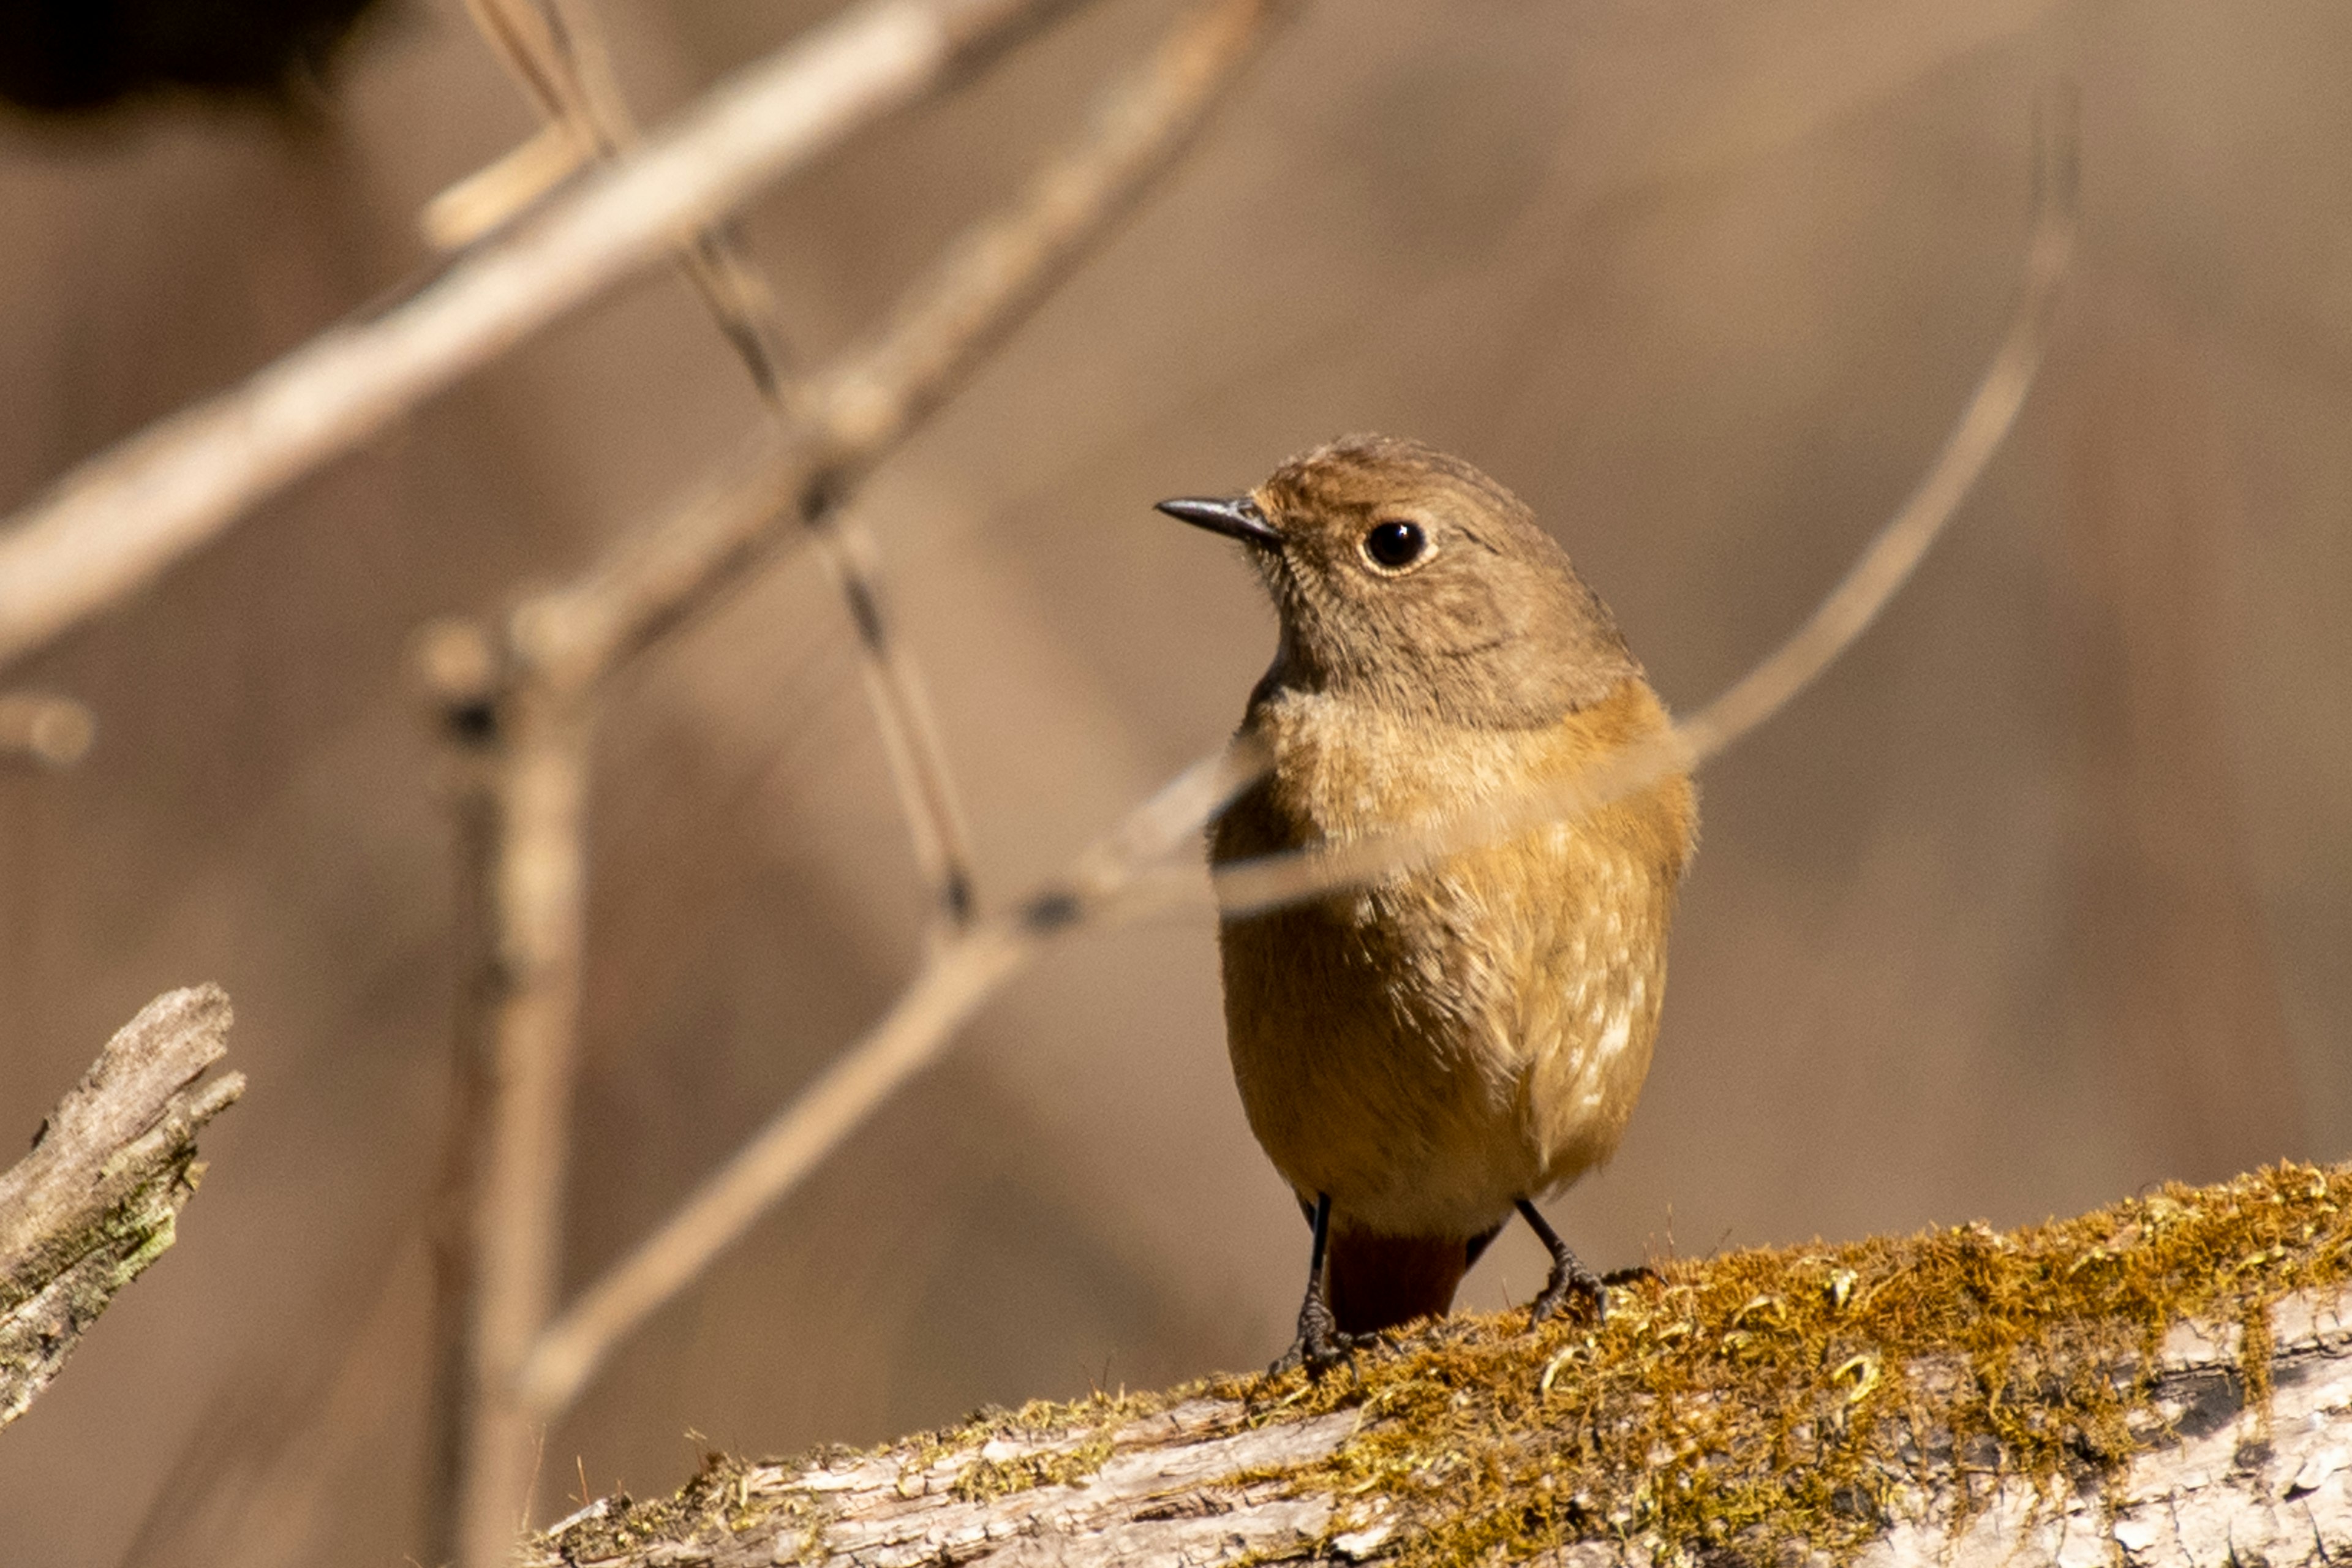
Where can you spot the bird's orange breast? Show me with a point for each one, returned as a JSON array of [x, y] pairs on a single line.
[[1432, 1047]]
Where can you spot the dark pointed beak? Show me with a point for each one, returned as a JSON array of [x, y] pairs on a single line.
[[1236, 517]]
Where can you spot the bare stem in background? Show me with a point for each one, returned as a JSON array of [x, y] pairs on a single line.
[[895, 691], [477, 811], [1125, 878], [97, 1200], [520, 809], [555, 49], [519, 701], [116, 521]]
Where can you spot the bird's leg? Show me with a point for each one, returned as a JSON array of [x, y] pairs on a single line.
[[1568, 1273], [1319, 1343]]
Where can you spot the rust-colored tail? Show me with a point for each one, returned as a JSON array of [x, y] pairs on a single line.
[[1379, 1282]]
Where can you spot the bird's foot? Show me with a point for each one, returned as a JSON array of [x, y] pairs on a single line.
[[1574, 1283], [1569, 1277], [1320, 1346]]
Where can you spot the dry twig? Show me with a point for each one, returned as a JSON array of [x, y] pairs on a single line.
[[1130, 882], [850, 414], [520, 799], [555, 49], [96, 1201], [115, 523]]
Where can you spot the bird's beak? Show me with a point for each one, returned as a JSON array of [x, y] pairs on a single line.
[[1236, 517]]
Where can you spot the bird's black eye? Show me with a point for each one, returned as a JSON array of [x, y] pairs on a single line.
[[1395, 544]]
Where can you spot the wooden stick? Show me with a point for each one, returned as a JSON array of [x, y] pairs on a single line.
[[118, 520]]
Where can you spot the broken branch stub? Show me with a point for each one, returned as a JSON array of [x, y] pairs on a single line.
[[98, 1198]]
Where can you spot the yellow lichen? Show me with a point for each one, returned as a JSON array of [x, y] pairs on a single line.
[[987, 1478]]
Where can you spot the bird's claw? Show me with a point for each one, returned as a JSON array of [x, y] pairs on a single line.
[[1568, 1274], [1317, 1356], [1575, 1280], [1320, 1346]]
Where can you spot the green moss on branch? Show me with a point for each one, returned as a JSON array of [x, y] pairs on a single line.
[[1786, 1396], [1759, 1404]]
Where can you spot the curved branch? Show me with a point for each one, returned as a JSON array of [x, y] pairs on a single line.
[[1252, 886]]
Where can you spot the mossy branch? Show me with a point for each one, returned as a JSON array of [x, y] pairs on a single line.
[[2168, 1380], [97, 1199]]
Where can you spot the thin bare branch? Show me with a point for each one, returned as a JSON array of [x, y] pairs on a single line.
[[526, 37], [490, 195], [928, 802], [1126, 877], [555, 50], [951, 987], [520, 806], [97, 1199], [850, 415], [116, 521]]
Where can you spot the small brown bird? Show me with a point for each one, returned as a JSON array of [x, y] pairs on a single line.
[[1424, 1055]]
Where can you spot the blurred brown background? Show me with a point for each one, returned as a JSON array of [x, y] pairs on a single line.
[[2043, 894]]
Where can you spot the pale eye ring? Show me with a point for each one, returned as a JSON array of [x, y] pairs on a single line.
[[1395, 544]]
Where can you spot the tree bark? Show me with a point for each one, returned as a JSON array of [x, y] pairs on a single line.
[[97, 1200], [2236, 1452]]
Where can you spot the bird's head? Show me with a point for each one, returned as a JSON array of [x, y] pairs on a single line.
[[1407, 578]]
